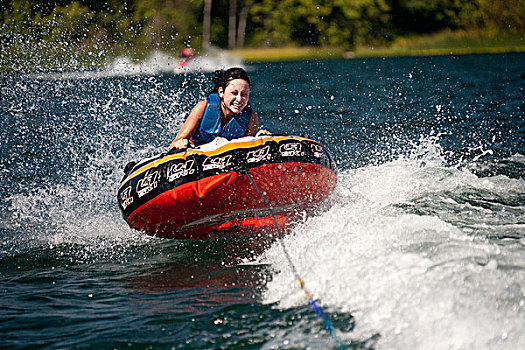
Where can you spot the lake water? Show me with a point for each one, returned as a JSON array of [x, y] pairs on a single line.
[[422, 245]]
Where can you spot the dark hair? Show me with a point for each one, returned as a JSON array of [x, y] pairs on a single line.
[[223, 77]]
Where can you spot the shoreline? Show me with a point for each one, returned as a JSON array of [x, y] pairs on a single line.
[[261, 55], [437, 44]]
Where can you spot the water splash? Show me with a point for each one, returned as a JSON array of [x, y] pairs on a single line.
[[67, 175], [156, 63], [410, 261]]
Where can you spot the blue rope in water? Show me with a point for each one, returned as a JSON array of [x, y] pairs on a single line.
[[313, 304]]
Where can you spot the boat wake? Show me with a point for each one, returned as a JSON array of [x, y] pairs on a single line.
[[157, 63], [408, 248]]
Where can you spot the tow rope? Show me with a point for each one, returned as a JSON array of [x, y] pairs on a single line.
[[313, 304]]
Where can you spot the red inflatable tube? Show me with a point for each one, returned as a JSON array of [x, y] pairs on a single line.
[[225, 202]]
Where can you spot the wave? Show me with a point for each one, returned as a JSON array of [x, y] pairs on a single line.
[[421, 253]]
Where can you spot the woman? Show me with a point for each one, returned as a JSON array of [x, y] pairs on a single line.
[[225, 113]]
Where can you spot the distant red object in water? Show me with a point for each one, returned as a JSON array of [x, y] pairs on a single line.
[[186, 54]]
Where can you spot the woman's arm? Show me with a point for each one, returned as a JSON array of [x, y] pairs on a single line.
[[189, 127], [253, 125]]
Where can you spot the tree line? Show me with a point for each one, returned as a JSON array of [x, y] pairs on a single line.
[[142, 25]]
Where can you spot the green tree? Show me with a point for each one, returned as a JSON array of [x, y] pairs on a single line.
[[494, 16], [70, 23], [17, 19], [316, 22], [426, 16], [167, 23]]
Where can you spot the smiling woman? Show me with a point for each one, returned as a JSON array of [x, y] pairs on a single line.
[[225, 113]]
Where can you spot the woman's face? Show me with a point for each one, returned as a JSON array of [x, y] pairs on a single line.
[[236, 95]]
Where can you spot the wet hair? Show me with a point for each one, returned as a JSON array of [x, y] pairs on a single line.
[[223, 77]]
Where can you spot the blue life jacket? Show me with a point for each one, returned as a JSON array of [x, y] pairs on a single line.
[[211, 127]]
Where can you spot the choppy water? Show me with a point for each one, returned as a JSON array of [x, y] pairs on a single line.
[[421, 247]]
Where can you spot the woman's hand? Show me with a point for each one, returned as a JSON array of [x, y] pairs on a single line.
[[262, 132], [190, 126], [218, 140], [179, 144]]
